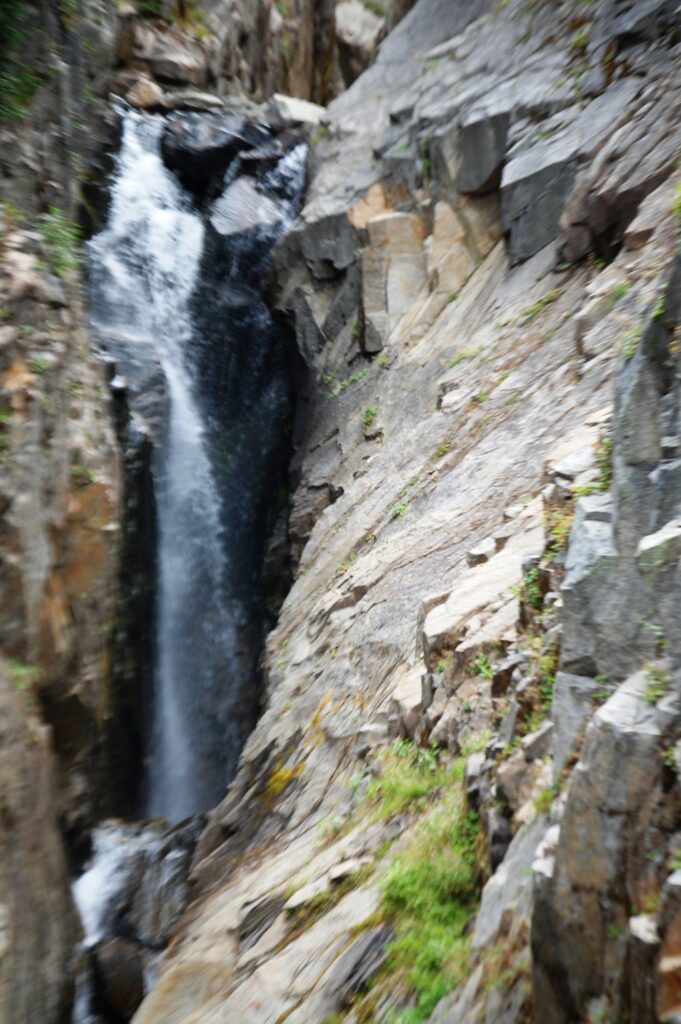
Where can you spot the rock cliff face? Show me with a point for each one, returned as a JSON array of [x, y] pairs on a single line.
[[459, 416], [461, 802]]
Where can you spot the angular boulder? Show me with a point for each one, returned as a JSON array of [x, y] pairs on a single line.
[[199, 147]]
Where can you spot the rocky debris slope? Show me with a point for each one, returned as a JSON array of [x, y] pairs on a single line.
[[439, 655]]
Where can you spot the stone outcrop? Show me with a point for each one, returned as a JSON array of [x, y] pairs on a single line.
[[454, 412]]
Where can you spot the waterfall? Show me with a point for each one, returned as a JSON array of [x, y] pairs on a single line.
[[175, 301], [176, 288]]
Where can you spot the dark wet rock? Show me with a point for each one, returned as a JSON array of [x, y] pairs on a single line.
[[537, 180], [199, 147], [119, 978], [483, 150]]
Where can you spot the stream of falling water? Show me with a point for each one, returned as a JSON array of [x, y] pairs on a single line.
[[170, 292]]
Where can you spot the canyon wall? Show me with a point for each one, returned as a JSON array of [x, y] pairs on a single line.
[[489, 236], [472, 684]]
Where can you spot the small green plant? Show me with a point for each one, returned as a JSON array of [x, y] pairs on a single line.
[[475, 742], [82, 475], [481, 666], [464, 354], [383, 361], [657, 683], [583, 490], [669, 758], [39, 366], [398, 511], [531, 591], [430, 893], [61, 240], [532, 312], [452, 297], [660, 304], [558, 526], [21, 676], [356, 328], [543, 802], [406, 776], [619, 290], [341, 385], [580, 41], [442, 449], [370, 414], [604, 463], [630, 342], [658, 633], [675, 862], [481, 397]]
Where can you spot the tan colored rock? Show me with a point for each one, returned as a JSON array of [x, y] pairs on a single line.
[[407, 699], [171, 55], [393, 274], [145, 94], [450, 261]]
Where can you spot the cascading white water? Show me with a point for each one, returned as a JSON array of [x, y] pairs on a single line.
[[174, 297], [144, 268]]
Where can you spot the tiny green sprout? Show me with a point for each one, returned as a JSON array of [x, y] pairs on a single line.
[[620, 290], [369, 416], [579, 41], [669, 758], [630, 342], [442, 449], [657, 684], [660, 304], [481, 666]]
